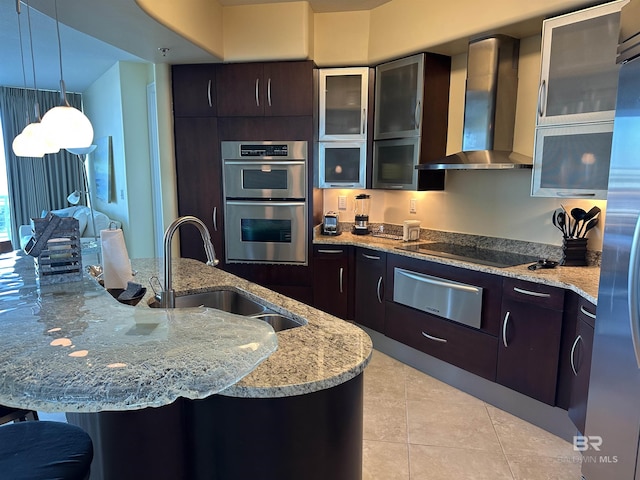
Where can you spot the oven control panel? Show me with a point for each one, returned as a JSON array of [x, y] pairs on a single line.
[[264, 150]]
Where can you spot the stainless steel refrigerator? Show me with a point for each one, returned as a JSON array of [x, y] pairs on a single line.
[[612, 433]]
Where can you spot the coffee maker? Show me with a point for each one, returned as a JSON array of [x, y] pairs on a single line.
[[361, 226]]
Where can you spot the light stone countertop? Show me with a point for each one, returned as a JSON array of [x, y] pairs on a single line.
[[71, 347], [582, 280]]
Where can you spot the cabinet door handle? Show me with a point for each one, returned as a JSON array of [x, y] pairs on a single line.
[[587, 312], [504, 330], [378, 289], [364, 120], [573, 351], [529, 292], [209, 93], [329, 251], [269, 91], [371, 257], [257, 96], [341, 273], [542, 92], [417, 115], [215, 218], [435, 339], [576, 194]]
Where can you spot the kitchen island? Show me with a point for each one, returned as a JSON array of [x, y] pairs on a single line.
[[72, 347]]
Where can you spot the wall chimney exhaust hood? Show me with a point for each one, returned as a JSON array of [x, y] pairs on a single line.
[[489, 110]]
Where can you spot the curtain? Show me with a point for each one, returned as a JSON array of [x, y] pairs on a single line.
[[35, 184]]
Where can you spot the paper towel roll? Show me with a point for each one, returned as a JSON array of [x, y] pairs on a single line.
[[116, 266]]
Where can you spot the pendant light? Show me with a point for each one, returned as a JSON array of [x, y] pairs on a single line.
[[67, 126], [33, 140]]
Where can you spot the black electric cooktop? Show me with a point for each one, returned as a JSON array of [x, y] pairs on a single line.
[[483, 256]]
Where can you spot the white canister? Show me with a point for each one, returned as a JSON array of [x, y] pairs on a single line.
[[411, 230]]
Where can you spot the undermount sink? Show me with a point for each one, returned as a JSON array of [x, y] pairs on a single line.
[[232, 301]]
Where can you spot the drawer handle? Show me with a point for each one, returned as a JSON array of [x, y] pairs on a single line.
[[533, 294], [257, 96], [587, 312], [573, 351], [435, 339], [504, 330], [209, 93], [378, 289], [341, 274], [329, 251], [370, 257]]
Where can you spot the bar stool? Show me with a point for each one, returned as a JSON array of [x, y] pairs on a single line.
[[45, 450]]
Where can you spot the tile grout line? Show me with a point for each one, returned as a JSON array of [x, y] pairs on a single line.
[[504, 454]]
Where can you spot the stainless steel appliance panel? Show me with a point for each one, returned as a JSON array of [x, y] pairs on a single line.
[[265, 179], [455, 301], [266, 232], [610, 445]]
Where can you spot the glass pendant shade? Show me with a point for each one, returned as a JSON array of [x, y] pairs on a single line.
[[33, 142], [68, 127]]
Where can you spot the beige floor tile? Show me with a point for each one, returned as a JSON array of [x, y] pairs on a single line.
[[385, 419], [519, 437], [384, 381], [424, 387], [385, 461], [379, 359], [451, 425], [544, 468], [443, 463]]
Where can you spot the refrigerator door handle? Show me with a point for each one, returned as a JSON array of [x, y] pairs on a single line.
[[633, 284]]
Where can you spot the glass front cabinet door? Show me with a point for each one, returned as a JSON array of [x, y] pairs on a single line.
[[342, 164], [579, 76], [574, 161], [343, 103], [398, 99]]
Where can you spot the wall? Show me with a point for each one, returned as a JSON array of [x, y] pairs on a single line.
[[116, 106], [489, 203]]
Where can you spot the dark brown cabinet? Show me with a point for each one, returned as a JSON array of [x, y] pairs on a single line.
[[464, 347], [194, 90], [369, 309], [332, 279], [199, 182], [529, 347], [265, 89], [580, 359]]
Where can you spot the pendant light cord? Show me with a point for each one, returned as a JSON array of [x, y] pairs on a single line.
[[24, 72], [33, 66], [63, 88]]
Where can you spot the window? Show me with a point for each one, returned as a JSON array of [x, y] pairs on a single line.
[[5, 223]]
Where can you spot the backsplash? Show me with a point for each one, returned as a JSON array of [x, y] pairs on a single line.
[[540, 250]]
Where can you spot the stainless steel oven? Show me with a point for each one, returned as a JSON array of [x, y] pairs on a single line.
[[265, 189]]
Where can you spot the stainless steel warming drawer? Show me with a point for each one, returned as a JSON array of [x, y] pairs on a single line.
[[454, 301]]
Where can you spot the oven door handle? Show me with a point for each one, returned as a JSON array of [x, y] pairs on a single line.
[[266, 203]]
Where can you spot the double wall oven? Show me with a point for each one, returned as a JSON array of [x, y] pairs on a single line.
[[265, 190]]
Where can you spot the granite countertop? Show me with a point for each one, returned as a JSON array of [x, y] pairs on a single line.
[[582, 280], [72, 347]]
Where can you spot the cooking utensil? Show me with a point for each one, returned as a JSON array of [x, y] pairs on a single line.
[[578, 215], [562, 223], [592, 223], [591, 214], [567, 222]]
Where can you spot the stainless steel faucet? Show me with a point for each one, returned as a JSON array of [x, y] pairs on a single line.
[[167, 297]]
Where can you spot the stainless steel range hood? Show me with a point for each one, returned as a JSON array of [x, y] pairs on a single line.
[[490, 109]]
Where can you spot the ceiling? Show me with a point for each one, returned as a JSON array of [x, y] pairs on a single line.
[[95, 34]]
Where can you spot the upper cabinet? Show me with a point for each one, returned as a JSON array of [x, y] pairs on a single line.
[[410, 121], [343, 127], [265, 89], [194, 90], [343, 103], [576, 103]]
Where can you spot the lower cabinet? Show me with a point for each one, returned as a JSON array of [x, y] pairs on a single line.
[[529, 347], [370, 273], [332, 279], [580, 358], [464, 347]]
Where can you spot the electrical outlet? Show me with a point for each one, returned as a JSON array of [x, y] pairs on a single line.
[[342, 202], [412, 205]]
